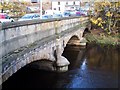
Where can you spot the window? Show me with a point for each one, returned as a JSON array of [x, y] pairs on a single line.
[[58, 3], [59, 8], [7, 17], [66, 3], [73, 3], [34, 1], [37, 16]]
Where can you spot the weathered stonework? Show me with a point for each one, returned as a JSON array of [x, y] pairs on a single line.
[[26, 42]]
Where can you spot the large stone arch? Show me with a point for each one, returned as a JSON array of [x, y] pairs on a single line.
[[41, 53]]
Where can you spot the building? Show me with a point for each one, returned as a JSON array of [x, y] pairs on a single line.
[[62, 5], [30, 1], [32, 5], [16, 0]]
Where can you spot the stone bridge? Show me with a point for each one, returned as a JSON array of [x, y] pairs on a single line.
[[24, 42]]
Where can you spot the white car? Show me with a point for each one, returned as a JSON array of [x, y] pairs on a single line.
[[5, 18], [30, 16]]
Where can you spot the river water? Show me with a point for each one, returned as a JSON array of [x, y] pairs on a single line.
[[91, 67]]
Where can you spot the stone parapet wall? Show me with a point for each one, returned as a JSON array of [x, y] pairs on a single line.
[[19, 34]]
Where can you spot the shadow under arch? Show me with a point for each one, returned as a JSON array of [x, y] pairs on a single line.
[[73, 52], [73, 41], [20, 78], [43, 64], [86, 31]]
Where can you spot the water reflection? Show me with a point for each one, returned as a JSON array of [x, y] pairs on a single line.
[[98, 68], [84, 66], [91, 67], [99, 58]]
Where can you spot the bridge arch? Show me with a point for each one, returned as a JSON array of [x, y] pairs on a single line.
[[35, 55], [87, 30], [43, 64], [74, 40]]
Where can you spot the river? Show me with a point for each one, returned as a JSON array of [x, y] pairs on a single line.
[[91, 67]]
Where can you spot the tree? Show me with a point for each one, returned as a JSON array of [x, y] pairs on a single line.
[[107, 16], [14, 8]]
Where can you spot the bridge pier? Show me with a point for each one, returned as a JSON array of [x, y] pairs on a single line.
[[61, 62]]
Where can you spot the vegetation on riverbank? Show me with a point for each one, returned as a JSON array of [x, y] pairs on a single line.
[[105, 24], [103, 39]]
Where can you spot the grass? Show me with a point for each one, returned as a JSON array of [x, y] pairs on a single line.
[[103, 39]]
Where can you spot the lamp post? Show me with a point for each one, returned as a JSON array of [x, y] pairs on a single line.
[[90, 7], [2, 2], [41, 9], [80, 3]]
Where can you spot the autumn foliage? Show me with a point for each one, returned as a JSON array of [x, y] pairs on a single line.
[[14, 8], [107, 16]]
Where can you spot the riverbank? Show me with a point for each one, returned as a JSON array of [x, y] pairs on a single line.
[[100, 37]]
